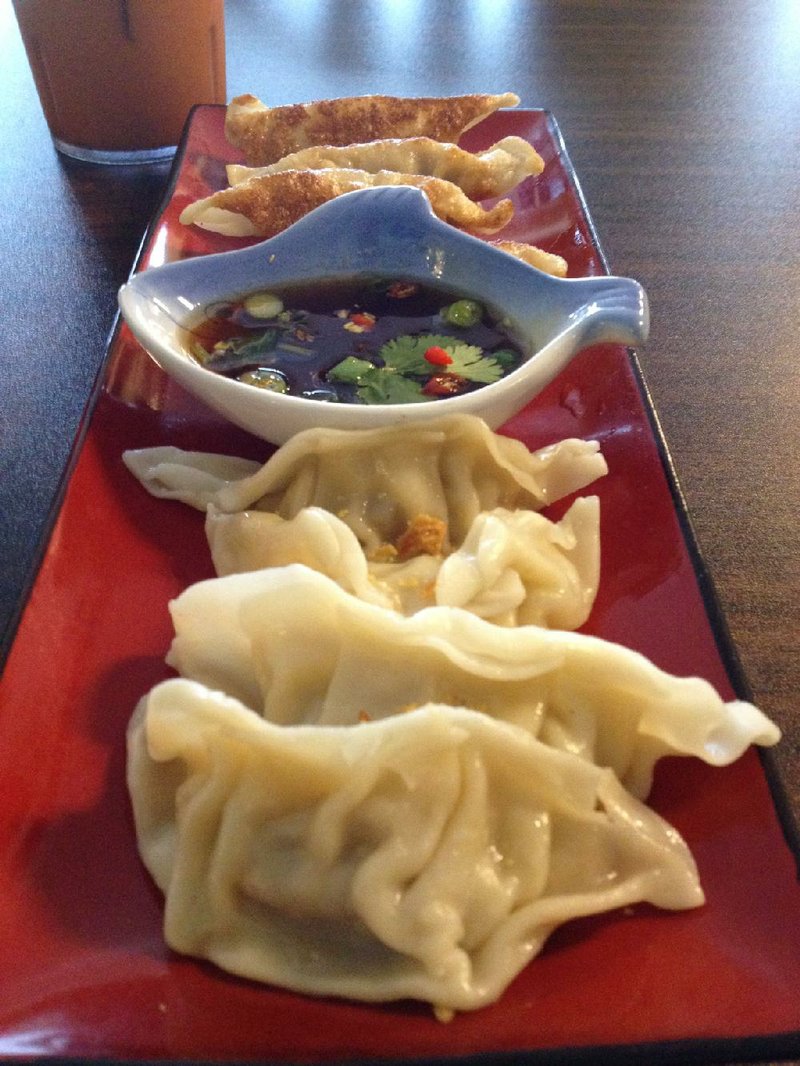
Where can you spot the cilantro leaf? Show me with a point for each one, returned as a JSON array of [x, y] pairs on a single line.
[[375, 384], [382, 385], [258, 346], [470, 363], [506, 357], [406, 354], [238, 353]]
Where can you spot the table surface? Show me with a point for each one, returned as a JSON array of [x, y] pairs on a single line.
[[683, 122]]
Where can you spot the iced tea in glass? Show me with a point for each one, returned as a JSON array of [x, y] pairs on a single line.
[[117, 78]]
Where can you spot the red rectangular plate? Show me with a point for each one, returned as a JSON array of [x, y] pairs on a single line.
[[83, 968]]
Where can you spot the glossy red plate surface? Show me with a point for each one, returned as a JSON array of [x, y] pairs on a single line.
[[83, 967]]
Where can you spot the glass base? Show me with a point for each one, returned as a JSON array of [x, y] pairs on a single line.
[[123, 157]]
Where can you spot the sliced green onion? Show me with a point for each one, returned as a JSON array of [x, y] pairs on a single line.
[[463, 313], [265, 378], [263, 304]]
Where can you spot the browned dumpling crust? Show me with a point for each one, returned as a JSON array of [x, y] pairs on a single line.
[[481, 175], [266, 134], [547, 262], [267, 204]]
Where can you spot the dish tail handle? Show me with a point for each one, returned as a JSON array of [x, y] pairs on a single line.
[[617, 313]]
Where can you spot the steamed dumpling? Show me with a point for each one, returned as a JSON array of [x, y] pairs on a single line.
[[255, 540], [480, 175], [519, 568], [378, 481], [426, 856], [265, 134], [267, 204], [514, 567], [249, 635], [193, 478]]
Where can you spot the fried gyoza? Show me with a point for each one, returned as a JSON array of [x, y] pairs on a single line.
[[480, 175], [266, 205], [266, 134], [535, 257]]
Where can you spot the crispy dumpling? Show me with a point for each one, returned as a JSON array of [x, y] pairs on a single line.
[[265, 134], [249, 635], [547, 262], [480, 175], [425, 856], [378, 480], [267, 204]]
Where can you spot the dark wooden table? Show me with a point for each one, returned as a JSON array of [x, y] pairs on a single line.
[[683, 122]]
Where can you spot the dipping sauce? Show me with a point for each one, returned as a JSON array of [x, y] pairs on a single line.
[[362, 341]]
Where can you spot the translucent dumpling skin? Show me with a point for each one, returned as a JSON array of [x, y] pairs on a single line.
[[428, 855], [248, 635], [387, 777], [378, 480], [513, 568]]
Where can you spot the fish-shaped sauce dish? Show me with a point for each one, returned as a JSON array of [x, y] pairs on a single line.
[[271, 377]]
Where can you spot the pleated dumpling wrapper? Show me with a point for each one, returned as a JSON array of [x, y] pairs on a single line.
[[265, 134], [377, 481], [426, 856], [267, 204], [479, 175], [344, 503], [298, 650], [513, 567]]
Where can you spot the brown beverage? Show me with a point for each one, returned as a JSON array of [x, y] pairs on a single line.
[[116, 78]]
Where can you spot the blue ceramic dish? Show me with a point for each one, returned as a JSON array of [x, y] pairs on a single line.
[[390, 232]]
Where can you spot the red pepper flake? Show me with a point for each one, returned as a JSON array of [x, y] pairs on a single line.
[[444, 385], [363, 318], [401, 290], [438, 356]]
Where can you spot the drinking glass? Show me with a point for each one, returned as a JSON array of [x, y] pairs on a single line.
[[117, 78]]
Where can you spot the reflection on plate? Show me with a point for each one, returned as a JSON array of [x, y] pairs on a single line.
[[85, 971]]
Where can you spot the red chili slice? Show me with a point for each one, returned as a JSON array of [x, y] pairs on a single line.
[[443, 385], [437, 356]]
